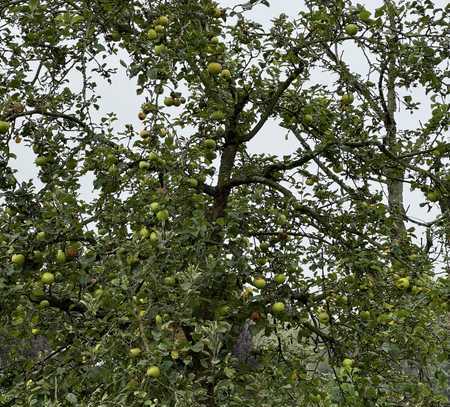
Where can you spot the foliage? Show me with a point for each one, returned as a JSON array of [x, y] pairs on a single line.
[[184, 216]]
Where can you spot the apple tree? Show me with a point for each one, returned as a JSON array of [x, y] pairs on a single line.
[[198, 271]]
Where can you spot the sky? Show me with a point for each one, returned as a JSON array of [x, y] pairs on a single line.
[[121, 98]]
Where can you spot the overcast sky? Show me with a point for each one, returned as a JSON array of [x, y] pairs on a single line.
[[121, 98]]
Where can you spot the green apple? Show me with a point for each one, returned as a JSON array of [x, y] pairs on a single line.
[[41, 161], [159, 28], [160, 49], [144, 232], [347, 99], [44, 304], [351, 29], [162, 20], [223, 310], [153, 156], [364, 315], [169, 101], [280, 278], [259, 282], [192, 182], [40, 236], [4, 127], [154, 206], [60, 256], [310, 181], [308, 119], [132, 260], [162, 215], [18, 259], [35, 331], [433, 196], [210, 143], [48, 278], [347, 363], [135, 352], [154, 237], [214, 68], [144, 165], [153, 371], [152, 34], [170, 281], [226, 74], [278, 308], [144, 134], [402, 283], [324, 318], [282, 219], [158, 320]]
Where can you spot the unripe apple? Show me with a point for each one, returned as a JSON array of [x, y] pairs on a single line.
[[192, 182], [158, 320], [214, 68], [154, 206], [35, 331], [282, 219], [280, 278], [226, 74], [60, 256], [135, 352], [153, 371], [132, 260], [159, 28], [308, 119], [152, 34], [278, 308], [40, 236], [347, 99], [433, 196], [259, 282], [153, 156], [160, 49], [144, 232], [310, 181], [41, 161], [169, 101], [176, 102], [170, 281], [351, 29], [142, 116], [364, 315], [18, 259], [210, 143], [48, 278], [144, 165], [402, 283], [324, 318], [44, 304], [154, 237], [144, 134], [4, 127], [347, 363], [162, 215], [162, 20]]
